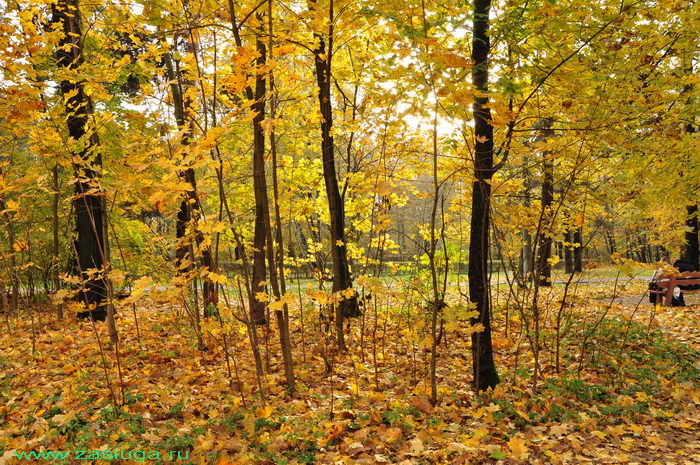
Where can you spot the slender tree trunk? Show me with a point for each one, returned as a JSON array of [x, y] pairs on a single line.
[[526, 256], [14, 279], [484, 369], [691, 251], [56, 241], [282, 316], [437, 304], [568, 251], [109, 305], [88, 203], [544, 248], [301, 239], [189, 212], [259, 189], [257, 96], [342, 280], [578, 250], [611, 242]]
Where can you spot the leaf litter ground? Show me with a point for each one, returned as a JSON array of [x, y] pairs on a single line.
[[633, 397]]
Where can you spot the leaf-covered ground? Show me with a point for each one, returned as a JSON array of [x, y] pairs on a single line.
[[633, 397]]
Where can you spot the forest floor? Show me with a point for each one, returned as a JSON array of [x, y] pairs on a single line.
[[627, 391]]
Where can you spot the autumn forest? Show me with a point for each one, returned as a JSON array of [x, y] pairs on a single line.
[[349, 232]]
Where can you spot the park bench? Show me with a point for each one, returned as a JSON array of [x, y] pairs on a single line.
[[667, 282]]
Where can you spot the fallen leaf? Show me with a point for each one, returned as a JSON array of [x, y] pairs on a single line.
[[392, 434], [6, 457], [559, 430], [263, 412], [234, 444], [422, 404], [150, 437], [518, 447], [335, 431], [415, 446]]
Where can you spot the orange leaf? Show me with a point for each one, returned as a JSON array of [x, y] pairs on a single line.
[[421, 403]]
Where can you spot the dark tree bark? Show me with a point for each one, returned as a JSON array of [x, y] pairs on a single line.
[[544, 248], [190, 209], [612, 248], [88, 203], [578, 250], [184, 213], [275, 256], [691, 250], [12, 253], [568, 252], [525, 257], [56, 243], [301, 239], [14, 280], [484, 369], [259, 188], [342, 280], [560, 249], [262, 221]]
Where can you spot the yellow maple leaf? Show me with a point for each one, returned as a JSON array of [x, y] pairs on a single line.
[[263, 412], [19, 246], [347, 293], [217, 278], [518, 447], [276, 305]]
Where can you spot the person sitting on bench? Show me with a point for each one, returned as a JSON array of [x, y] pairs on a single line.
[[683, 265]]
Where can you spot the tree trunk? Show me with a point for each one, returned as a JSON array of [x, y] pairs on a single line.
[[544, 248], [12, 253], [611, 241], [342, 280], [691, 250], [526, 256], [109, 306], [56, 241], [282, 315], [568, 251], [484, 369], [301, 239], [14, 281], [257, 96], [189, 212], [259, 189], [88, 205], [578, 250], [560, 249]]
